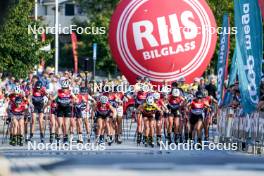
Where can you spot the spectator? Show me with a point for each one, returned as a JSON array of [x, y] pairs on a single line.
[[202, 85], [261, 99], [211, 88]]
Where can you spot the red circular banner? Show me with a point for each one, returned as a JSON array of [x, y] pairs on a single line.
[[162, 39]]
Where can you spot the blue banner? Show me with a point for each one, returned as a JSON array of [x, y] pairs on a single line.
[[222, 58], [233, 70], [249, 51]]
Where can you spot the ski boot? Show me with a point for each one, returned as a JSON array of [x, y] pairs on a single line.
[[13, 141], [169, 138], [101, 139], [158, 140], [42, 138], [119, 139], [80, 139], [51, 138], [20, 140], [177, 139], [139, 140], [66, 140], [146, 141], [151, 142], [110, 140]]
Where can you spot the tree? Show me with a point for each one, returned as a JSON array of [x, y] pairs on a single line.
[[99, 13], [219, 7], [19, 51]]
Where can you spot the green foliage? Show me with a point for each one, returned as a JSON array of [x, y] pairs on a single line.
[[19, 51], [219, 7], [99, 13]]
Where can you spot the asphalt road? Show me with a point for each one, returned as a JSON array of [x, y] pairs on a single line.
[[130, 159]]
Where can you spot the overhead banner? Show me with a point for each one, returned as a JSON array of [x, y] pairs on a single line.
[[74, 51], [176, 40], [233, 70], [223, 58], [249, 51]]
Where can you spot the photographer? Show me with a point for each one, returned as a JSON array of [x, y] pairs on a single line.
[[261, 99]]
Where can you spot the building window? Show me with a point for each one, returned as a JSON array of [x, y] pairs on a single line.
[[69, 10], [45, 10]]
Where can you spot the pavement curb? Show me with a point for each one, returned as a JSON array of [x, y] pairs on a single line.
[[4, 166]]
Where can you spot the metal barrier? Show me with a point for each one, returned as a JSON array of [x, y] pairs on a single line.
[[247, 130]]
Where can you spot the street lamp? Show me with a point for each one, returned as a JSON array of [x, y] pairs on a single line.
[[56, 37]]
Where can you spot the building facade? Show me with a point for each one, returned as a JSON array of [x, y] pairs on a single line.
[[68, 10]]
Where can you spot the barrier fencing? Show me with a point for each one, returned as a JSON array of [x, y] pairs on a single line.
[[247, 130]]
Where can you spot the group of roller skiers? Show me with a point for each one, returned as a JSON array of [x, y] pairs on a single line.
[[178, 112]]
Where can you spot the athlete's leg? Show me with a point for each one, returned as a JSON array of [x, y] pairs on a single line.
[[80, 129], [20, 131], [60, 128], [52, 125], [87, 128], [14, 130], [100, 126], [151, 123], [32, 125], [146, 130], [170, 125], [41, 126], [177, 134]]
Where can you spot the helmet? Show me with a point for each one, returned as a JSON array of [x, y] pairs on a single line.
[[150, 100], [175, 92], [139, 78], [141, 87], [103, 99], [38, 85], [76, 90], [65, 84], [83, 90], [17, 90], [146, 79], [18, 100], [174, 84], [199, 94], [182, 79], [156, 96]]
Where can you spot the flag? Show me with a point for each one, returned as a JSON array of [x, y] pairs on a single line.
[[74, 51], [223, 58], [249, 51], [233, 70]]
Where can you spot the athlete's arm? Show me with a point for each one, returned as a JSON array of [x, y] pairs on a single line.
[[113, 110]]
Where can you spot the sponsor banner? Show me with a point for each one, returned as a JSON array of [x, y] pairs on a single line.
[[223, 58], [233, 70], [249, 51], [74, 51], [177, 40]]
